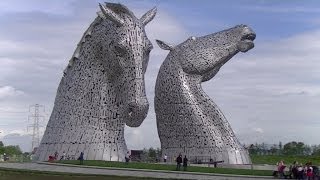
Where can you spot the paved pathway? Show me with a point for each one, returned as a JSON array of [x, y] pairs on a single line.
[[123, 172]]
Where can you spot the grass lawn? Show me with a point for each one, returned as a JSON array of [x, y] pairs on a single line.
[[13, 174], [273, 159], [169, 167]]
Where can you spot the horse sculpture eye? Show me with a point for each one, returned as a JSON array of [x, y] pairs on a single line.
[[147, 52], [146, 60], [120, 51]]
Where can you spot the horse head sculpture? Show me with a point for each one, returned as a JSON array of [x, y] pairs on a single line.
[[102, 88], [188, 121]]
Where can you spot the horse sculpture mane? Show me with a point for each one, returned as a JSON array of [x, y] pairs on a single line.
[[102, 88], [188, 121]]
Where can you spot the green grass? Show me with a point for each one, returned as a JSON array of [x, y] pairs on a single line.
[[273, 159], [14, 174], [169, 167]]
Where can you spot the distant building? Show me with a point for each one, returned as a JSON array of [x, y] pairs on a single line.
[[136, 155]]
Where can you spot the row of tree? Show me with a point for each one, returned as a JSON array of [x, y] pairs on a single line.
[[9, 150], [290, 148], [151, 154]]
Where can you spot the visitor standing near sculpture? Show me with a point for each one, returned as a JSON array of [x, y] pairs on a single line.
[[185, 163], [179, 161], [102, 88], [188, 121], [165, 158]]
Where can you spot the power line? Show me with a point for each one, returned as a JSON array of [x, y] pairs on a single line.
[[35, 116]]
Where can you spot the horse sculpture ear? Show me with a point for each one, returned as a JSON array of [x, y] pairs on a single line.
[[107, 13], [148, 16], [164, 45]]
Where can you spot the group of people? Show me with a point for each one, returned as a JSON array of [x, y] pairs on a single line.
[[183, 161], [56, 156], [297, 171], [64, 157]]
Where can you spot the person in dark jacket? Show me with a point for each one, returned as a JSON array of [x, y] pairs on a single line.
[[179, 161], [81, 158], [185, 163]]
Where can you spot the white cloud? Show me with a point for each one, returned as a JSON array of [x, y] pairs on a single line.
[[9, 91], [56, 7], [20, 47], [282, 9], [21, 137], [258, 130], [19, 131], [23, 140]]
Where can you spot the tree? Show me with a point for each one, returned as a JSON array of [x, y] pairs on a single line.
[[307, 150], [295, 148], [263, 148], [12, 150], [280, 145], [2, 149], [252, 149], [274, 149], [144, 155], [280, 148], [315, 150], [152, 154]]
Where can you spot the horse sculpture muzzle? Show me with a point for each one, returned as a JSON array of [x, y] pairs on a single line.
[[137, 112], [246, 42], [136, 104]]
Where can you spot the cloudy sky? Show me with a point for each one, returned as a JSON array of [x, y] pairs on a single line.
[[269, 94]]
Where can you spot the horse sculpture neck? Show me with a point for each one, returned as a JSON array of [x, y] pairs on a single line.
[[195, 125], [86, 108]]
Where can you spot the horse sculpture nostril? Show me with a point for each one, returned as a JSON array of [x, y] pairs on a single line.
[[130, 111], [132, 106], [136, 112]]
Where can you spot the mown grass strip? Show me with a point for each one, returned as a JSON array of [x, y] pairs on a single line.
[[8, 174], [169, 167]]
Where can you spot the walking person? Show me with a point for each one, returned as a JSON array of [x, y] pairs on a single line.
[[179, 161], [300, 172], [63, 156], [127, 157], [81, 158], [281, 168], [185, 163], [56, 154], [309, 171], [5, 157], [165, 158]]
